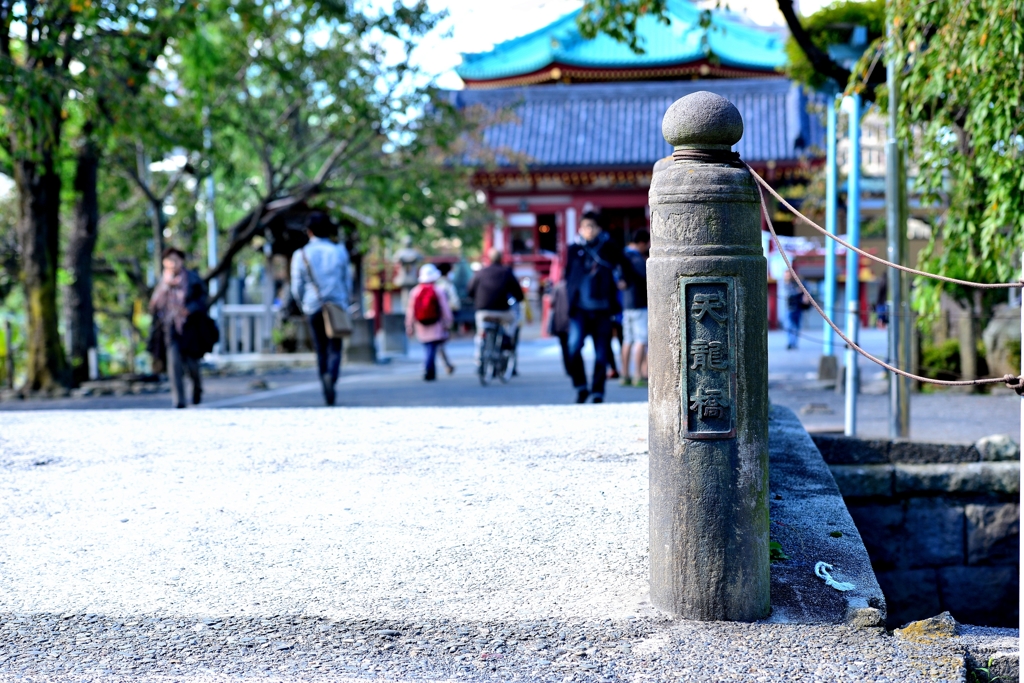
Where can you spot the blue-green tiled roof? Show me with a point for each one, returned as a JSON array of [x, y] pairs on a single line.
[[618, 125], [734, 42]]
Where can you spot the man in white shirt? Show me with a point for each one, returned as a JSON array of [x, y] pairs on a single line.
[[320, 273]]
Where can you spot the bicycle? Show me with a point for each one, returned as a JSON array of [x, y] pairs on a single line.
[[497, 353]]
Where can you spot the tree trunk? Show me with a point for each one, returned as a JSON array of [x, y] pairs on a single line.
[[159, 221], [39, 184], [82, 243]]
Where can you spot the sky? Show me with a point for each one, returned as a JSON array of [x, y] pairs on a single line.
[[477, 25]]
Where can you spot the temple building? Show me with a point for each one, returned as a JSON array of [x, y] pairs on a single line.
[[574, 125]]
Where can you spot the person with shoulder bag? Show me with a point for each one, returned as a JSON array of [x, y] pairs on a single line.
[[320, 283]]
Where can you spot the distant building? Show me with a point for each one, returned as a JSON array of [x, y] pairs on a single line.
[[577, 123]]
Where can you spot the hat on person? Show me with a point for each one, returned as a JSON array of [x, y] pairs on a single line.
[[429, 273]]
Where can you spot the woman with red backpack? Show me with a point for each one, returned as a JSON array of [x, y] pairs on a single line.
[[428, 316]]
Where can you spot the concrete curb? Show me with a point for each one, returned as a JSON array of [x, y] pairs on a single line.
[[810, 520]]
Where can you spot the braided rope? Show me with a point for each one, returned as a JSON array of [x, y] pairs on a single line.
[[1014, 382], [709, 156], [821, 570], [823, 231]]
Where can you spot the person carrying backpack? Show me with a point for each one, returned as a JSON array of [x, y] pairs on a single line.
[[428, 317], [592, 289]]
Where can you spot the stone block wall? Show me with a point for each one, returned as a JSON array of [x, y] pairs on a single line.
[[942, 535]]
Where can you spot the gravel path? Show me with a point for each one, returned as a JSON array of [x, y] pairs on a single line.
[[426, 544]]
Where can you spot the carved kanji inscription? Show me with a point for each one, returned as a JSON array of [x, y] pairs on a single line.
[[709, 369]]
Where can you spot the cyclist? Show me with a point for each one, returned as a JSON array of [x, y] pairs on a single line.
[[495, 290]]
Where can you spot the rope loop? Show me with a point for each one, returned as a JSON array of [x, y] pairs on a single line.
[[821, 570], [1019, 284], [1014, 382]]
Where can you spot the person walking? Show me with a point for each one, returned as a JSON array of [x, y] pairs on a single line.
[[179, 305], [616, 334], [592, 290], [428, 316], [634, 305], [451, 295], [495, 290], [320, 274], [796, 304], [558, 313]]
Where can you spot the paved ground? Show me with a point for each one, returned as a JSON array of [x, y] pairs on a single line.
[[941, 417], [430, 544]]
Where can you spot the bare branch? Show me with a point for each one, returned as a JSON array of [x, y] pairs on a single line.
[[302, 157], [289, 110], [126, 205], [173, 182], [358, 149], [134, 174], [818, 58], [328, 165]]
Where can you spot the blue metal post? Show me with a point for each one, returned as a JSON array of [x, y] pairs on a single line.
[[852, 263], [831, 202]]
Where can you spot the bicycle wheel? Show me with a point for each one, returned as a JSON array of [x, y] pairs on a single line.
[[515, 355], [486, 369], [497, 359], [506, 365]]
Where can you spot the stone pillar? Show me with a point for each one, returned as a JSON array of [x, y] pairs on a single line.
[[391, 335], [361, 346], [708, 307]]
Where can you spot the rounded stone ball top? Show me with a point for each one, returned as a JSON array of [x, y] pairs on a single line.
[[702, 119]]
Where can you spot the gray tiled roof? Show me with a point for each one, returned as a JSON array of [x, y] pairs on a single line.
[[619, 124]]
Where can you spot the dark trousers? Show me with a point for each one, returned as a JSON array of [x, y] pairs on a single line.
[[793, 327], [328, 351], [178, 365], [615, 333], [430, 367], [563, 341], [598, 326]]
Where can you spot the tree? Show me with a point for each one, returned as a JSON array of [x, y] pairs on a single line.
[[618, 19], [106, 101], [78, 260], [33, 69], [960, 99], [834, 25], [48, 50], [301, 104], [304, 110]]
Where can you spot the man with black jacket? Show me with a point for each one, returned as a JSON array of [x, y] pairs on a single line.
[[494, 289], [593, 300], [178, 336]]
